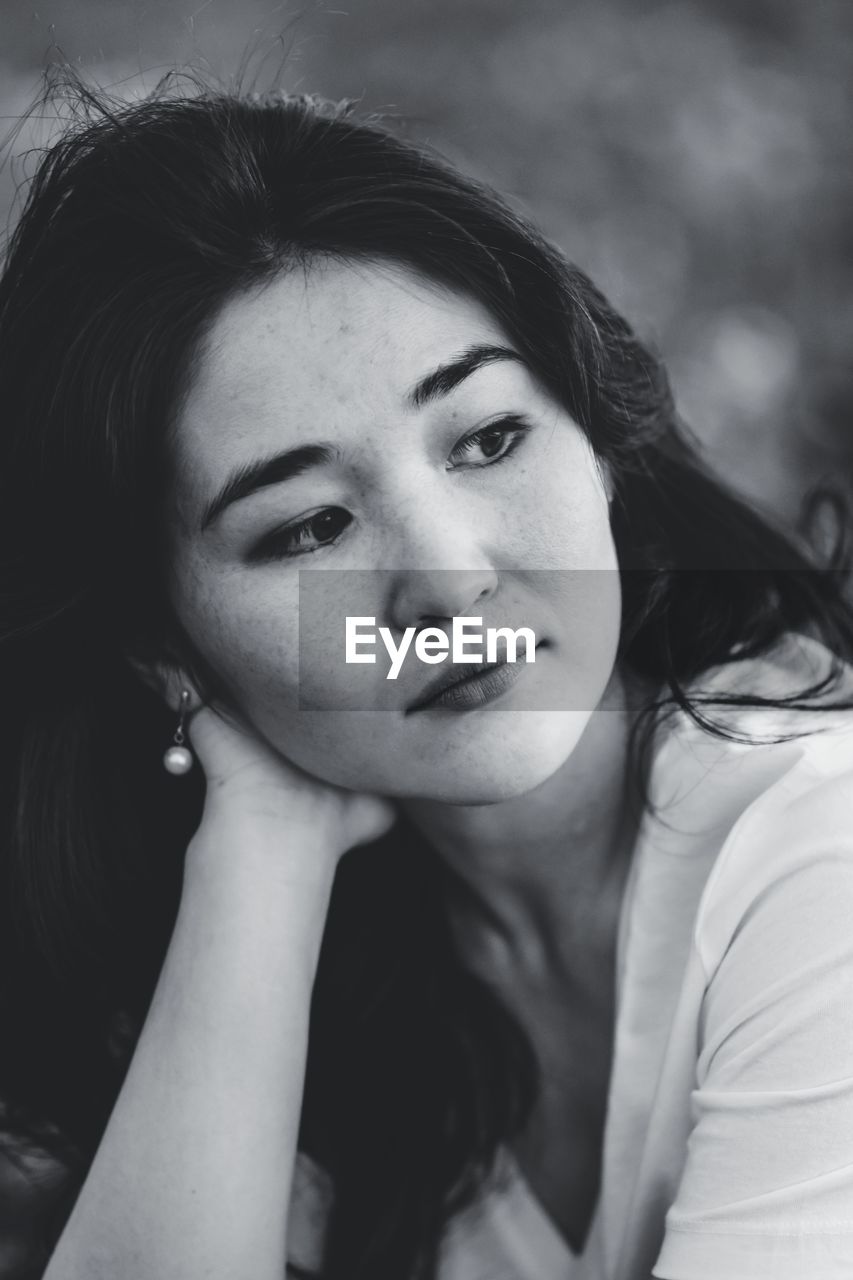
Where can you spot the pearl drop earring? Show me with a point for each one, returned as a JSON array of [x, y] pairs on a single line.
[[179, 759]]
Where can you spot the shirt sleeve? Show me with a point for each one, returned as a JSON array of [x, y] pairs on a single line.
[[767, 1188]]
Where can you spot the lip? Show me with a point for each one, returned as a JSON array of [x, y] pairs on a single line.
[[469, 685]]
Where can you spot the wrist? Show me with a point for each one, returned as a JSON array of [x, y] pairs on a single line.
[[263, 851]]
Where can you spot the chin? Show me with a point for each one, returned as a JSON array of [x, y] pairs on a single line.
[[522, 755]]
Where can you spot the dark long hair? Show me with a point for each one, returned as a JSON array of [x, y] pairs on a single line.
[[141, 221]]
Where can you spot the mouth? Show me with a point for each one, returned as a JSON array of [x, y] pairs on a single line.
[[469, 684]]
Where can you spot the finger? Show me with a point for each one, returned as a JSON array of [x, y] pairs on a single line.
[[372, 817], [219, 744]]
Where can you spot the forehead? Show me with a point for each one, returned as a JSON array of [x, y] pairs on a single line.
[[317, 351]]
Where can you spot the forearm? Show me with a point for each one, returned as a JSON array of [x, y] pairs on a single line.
[[192, 1178]]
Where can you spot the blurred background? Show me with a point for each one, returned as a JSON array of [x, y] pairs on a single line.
[[694, 158]]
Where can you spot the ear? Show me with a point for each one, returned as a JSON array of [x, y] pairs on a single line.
[[164, 676]]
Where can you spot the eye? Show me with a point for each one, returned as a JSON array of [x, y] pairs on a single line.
[[323, 528], [496, 441]]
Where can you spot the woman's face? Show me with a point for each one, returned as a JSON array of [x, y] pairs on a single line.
[[441, 481]]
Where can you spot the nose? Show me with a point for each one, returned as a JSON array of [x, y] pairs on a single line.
[[429, 596]]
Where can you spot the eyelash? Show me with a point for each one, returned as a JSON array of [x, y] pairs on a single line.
[[284, 543]]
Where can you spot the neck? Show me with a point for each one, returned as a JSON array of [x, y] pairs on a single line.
[[537, 879]]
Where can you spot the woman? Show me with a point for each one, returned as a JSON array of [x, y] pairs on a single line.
[[574, 946]]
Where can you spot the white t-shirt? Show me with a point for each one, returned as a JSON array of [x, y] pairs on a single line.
[[728, 1143]]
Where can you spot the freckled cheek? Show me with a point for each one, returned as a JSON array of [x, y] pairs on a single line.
[[274, 660], [559, 516], [249, 638]]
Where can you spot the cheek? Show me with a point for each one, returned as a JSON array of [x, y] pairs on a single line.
[[247, 631], [584, 583], [560, 510], [276, 667], [252, 641], [584, 612]]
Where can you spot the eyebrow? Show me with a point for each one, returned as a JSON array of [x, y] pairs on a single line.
[[268, 471], [253, 476], [448, 376]]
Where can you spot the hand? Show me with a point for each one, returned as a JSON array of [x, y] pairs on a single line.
[[258, 795]]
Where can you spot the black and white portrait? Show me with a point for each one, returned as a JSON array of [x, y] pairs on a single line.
[[426, 641]]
